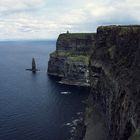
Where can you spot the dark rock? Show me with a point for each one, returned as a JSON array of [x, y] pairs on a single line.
[[109, 62], [33, 69], [115, 75], [70, 61]]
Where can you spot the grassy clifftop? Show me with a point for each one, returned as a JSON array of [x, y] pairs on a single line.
[[74, 36]]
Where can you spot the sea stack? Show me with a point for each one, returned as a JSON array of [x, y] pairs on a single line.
[[33, 65], [33, 69]]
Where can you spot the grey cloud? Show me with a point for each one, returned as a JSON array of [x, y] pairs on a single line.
[[17, 11], [51, 17]]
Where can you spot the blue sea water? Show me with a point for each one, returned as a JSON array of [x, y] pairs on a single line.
[[31, 105]]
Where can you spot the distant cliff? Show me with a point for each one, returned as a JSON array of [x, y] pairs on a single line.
[[115, 79], [70, 61]]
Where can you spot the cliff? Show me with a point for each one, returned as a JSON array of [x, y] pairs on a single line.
[[108, 62], [70, 61], [115, 80]]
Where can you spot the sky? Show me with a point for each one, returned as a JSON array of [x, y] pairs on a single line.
[[46, 19]]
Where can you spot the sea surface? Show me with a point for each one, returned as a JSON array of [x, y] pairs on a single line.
[[31, 105]]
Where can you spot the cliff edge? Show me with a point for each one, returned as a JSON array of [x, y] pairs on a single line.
[[115, 79]]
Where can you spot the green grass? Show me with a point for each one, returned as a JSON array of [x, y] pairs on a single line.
[[60, 54], [79, 58], [71, 57], [66, 36]]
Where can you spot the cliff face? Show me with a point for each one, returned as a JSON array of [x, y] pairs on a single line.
[[115, 76], [70, 61], [108, 62], [79, 43]]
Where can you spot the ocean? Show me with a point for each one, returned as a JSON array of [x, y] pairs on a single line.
[[31, 105]]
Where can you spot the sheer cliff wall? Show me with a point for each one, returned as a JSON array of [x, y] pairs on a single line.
[[70, 61], [115, 79]]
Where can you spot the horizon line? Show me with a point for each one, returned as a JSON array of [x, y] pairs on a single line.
[[2, 40]]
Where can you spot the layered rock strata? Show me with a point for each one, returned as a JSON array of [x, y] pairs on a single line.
[[70, 61]]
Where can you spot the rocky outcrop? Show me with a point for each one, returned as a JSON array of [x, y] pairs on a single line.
[[33, 69], [115, 79], [70, 61]]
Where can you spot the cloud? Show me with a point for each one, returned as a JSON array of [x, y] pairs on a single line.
[[36, 19], [108, 12]]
